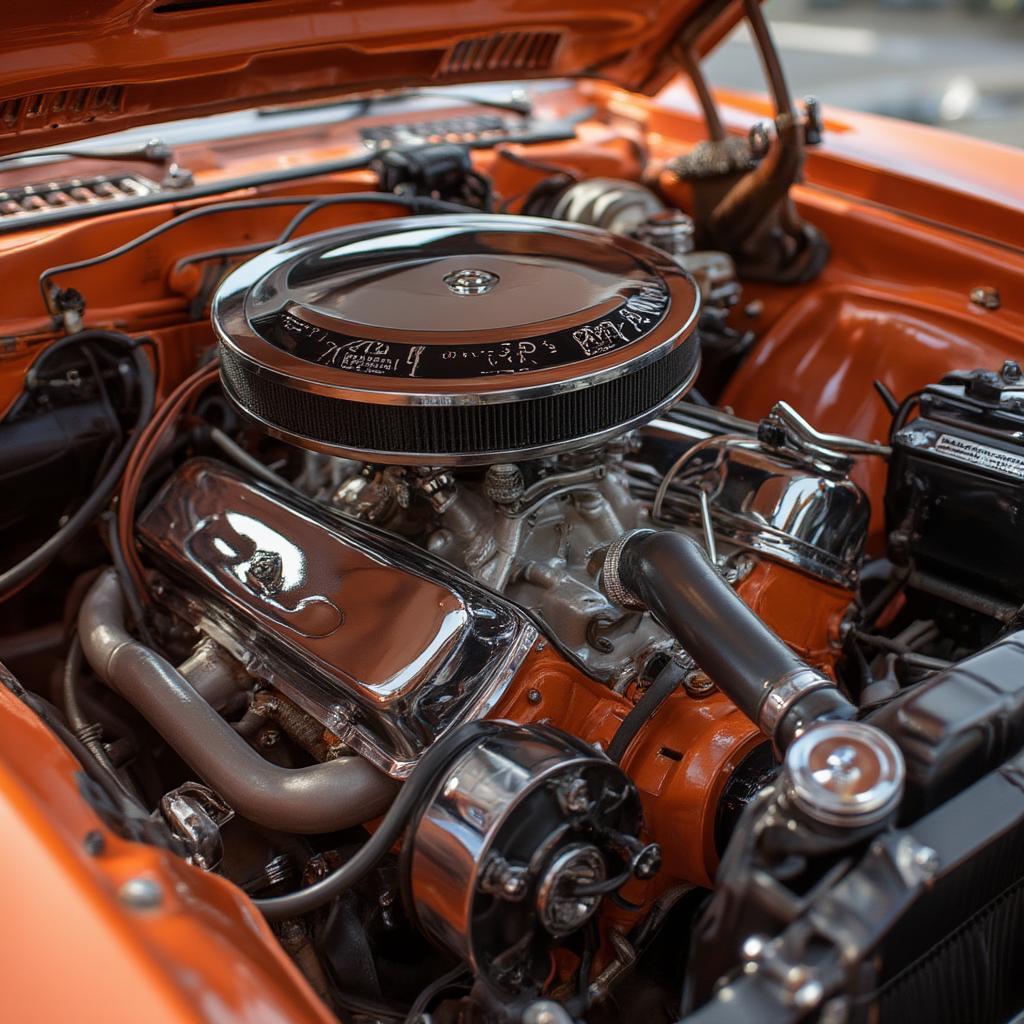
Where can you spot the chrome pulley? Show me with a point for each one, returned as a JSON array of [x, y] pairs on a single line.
[[524, 834]]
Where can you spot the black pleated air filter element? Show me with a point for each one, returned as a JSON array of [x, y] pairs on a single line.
[[456, 339]]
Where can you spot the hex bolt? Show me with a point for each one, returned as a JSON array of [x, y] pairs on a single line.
[[647, 862], [698, 684], [269, 738], [141, 893], [986, 297], [926, 860], [94, 843]]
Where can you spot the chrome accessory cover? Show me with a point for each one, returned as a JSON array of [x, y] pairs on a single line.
[[517, 827], [456, 339], [782, 507], [296, 591]]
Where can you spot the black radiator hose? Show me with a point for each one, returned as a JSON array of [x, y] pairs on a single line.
[[669, 575]]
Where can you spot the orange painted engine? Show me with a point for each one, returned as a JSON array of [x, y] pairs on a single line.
[[475, 573], [506, 566], [427, 598]]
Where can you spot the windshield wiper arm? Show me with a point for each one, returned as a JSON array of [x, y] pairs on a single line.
[[518, 101], [152, 151]]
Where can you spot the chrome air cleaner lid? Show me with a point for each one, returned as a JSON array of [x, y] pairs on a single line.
[[456, 339]]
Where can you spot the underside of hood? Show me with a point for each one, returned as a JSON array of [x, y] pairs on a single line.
[[77, 68]]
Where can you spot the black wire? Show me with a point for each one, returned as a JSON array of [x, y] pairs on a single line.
[[129, 588], [88, 732], [889, 400], [895, 584], [424, 776], [665, 684], [590, 942], [155, 232], [414, 203], [108, 407], [51, 350], [435, 988], [311, 203], [605, 887], [125, 804], [536, 165], [93, 505], [154, 348], [903, 412], [249, 249]]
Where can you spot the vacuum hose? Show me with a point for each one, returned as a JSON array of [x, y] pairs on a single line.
[[670, 575]]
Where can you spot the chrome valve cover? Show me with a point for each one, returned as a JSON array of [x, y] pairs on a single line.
[[296, 592]]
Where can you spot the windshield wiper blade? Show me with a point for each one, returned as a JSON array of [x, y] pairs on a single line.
[[518, 102], [152, 151]]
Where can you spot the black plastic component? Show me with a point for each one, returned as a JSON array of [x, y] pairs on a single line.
[[893, 928], [48, 458], [441, 170], [757, 770], [924, 926], [959, 724], [955, 499]]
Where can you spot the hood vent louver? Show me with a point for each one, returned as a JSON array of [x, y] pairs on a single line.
[[64, 106], [503, 51], [30, 200]]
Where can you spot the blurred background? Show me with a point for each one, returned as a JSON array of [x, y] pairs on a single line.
[[956, 64]]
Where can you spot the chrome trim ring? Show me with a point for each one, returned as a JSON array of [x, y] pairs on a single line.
[[784, 693], [263, 287]]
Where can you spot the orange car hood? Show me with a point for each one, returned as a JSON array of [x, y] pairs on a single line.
[[78, 68]]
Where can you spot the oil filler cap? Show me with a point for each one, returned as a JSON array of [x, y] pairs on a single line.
[[845, 774]]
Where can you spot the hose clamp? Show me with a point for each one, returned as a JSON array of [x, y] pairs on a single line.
[[611, 583], [784, 693]]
